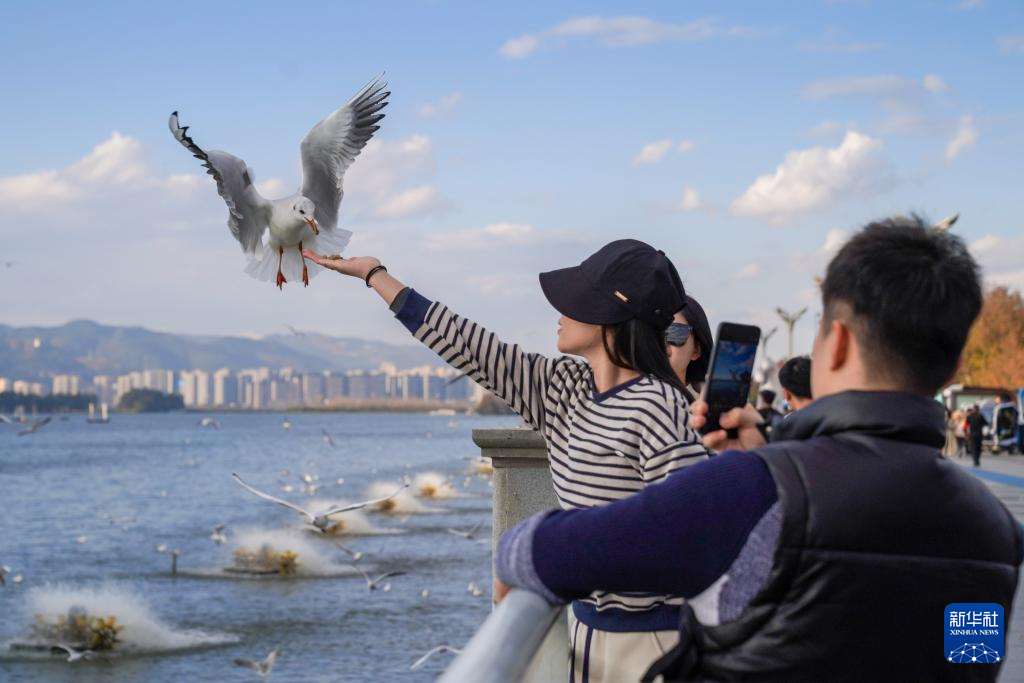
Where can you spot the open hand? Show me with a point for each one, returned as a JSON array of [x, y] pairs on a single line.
[[744, 420], [357, 266]]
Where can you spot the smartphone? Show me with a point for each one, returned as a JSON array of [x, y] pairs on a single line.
[[732, 365]]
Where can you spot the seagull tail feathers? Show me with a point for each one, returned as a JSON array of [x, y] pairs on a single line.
[[263, 264]]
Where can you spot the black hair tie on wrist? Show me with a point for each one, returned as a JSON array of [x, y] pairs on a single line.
[[373, 271]]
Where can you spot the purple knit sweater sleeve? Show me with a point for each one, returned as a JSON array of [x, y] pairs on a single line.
[[676, 537]]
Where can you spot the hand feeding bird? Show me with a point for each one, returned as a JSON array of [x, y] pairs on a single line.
[[321, 521], [308, 217]]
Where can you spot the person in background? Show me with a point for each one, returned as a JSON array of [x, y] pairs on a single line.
[[830, 554], [614, 417], [770, 417], [976, 423], [688, 341], [795, 378]]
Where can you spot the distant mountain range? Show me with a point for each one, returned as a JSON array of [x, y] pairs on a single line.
[[86, 348]]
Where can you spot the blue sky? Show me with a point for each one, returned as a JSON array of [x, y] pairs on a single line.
[[745, 139]]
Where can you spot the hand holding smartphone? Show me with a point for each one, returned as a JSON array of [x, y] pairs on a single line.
[[730, 372]]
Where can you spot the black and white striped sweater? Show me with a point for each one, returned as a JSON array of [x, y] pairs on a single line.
[[602, 446]]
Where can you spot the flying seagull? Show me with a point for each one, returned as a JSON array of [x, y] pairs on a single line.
[[310, 216], [372, 584], [262, 668], [356, 555], [218, 536], [73, 654], [4, 571], [327, 438], [946, 223], [321, 521], [437, 650], [35, 426], [297, 333]]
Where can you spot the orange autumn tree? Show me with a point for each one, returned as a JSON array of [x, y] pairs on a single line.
[[994, 355]]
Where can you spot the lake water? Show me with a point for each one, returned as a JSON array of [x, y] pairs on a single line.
[[85, 508]]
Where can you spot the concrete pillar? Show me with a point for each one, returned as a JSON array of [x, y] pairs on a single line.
[[522, 487]]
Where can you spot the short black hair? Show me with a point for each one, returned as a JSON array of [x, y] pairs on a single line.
[[768, 396], [910, 293], [795, 376]]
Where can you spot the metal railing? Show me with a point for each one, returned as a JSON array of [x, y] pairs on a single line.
[[524, 638]]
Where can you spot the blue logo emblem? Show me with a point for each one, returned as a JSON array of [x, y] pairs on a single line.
[[975, 633]]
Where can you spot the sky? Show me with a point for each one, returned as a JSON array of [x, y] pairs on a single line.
[[747, 140]]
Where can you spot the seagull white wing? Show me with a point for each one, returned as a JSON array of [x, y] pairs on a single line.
[[388, 575], [423, 660], [248, 211], [356, 506], [272, 499], [247, 663], [271, 658], [332, 145]]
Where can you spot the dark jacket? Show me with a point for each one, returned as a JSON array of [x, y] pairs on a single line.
[[879, 534]]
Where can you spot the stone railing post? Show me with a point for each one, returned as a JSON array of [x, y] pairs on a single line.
[[522, 487]]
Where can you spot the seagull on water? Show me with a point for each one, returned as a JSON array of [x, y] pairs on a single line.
[[437, 650], [209, 422], [35, 426], [262, 668], [372, 584], [73, 654], [321, 521], [310, 216], [469, 534]]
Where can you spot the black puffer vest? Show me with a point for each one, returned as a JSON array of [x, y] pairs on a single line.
[[879, 534]]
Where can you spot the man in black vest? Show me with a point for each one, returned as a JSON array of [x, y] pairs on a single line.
[[830, 554]]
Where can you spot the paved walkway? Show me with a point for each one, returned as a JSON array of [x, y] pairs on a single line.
[[1004, 474]]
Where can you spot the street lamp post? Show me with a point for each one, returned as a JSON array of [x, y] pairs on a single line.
[[790, 320]]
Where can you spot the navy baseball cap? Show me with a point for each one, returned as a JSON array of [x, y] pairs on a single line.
[[624, 279]]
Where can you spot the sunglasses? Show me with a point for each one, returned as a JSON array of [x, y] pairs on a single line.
[[678, 334]]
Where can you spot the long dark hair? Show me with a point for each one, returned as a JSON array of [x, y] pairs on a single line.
[[637, 345]]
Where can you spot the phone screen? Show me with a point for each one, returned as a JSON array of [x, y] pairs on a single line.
[[732, 366]]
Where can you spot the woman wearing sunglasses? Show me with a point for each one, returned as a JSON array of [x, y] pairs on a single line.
[[689, 342], [614, 422]]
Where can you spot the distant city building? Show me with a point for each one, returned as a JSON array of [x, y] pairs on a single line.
[[225, 388], [313, 393], [67, 385]]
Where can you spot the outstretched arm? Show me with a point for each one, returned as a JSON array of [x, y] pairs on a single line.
[[519, 378]]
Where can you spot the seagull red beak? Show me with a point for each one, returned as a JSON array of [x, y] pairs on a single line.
[[312, 224]]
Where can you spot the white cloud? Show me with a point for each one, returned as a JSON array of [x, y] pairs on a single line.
[[747, 272], [934, 83], [965, 138], [116, 163], [812, 178], [497, 235], [620, 32], [411, 202], [1000, 258], [690, 200], [1010, 44], [834, 239], [272, 188], [391, 180], [441, 109], [890, 89], [652, 152]]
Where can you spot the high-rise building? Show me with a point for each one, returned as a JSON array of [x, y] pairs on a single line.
[[313, 393], [158, 380], [67, 385], [335, 386], [225, 388], [103, 387]]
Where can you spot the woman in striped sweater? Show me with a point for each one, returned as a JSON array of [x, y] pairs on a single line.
[[614, 422]]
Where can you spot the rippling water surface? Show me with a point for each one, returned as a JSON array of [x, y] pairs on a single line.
[[85, 508]]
